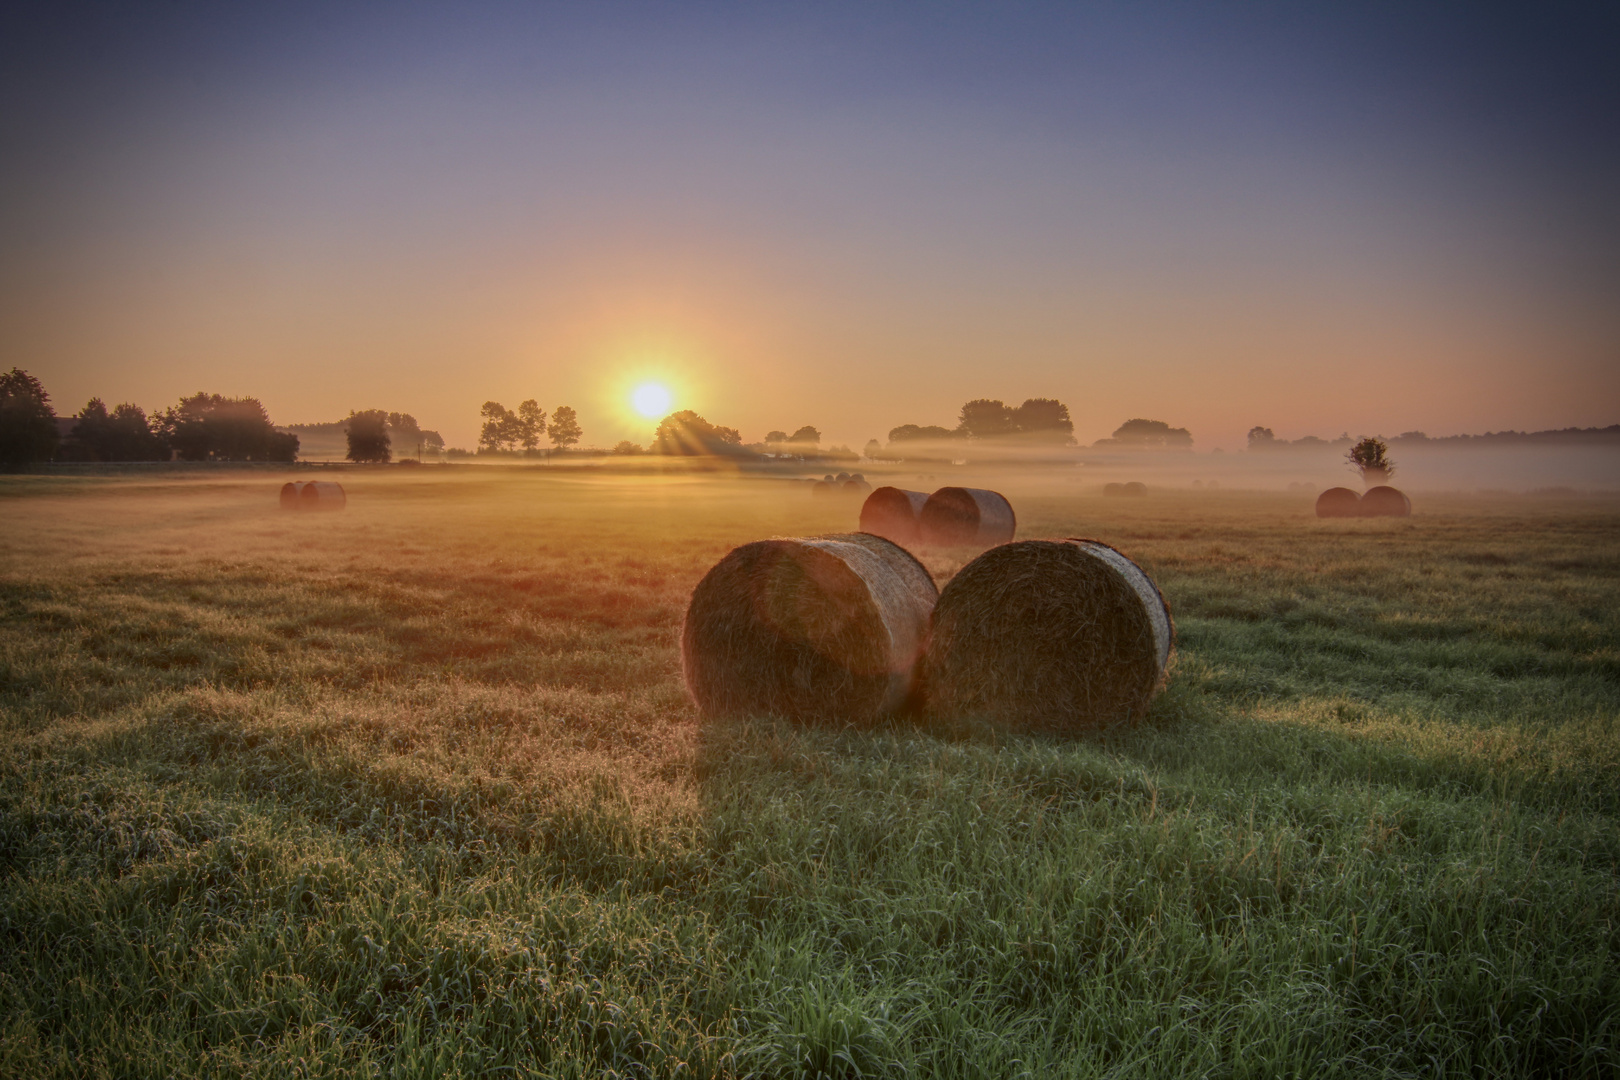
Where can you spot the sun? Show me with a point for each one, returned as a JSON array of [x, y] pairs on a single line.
[[651, 399]]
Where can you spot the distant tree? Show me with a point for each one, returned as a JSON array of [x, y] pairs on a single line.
[[625, 446], [124, 434], [983, 418], [1151, 434], [913, 433], [873, 449], [1370, 457], [775, 437], [565, 430], [404, 432], [432, 442], [1044, 420], [531, 424], [687, 433], [368, 436], [1262, 438], [211, 427], [498, 429], [27, 421], [805, 436]]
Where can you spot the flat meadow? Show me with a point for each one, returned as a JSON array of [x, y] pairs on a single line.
[[414, 789]]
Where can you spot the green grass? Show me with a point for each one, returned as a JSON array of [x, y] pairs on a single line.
[[414, 789]]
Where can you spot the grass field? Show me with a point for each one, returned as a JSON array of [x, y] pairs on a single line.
[[414, 789]]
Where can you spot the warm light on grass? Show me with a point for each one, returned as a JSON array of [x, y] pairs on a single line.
[[651, 400]]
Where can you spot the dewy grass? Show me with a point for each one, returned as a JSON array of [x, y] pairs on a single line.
[[413, 789]]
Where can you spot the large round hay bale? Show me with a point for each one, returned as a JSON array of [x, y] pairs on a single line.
[[822, 628], [841, 478], [289, 494], [322, 495], [892, 512], [961, 516], [1135, 488], [1385, 501], [1338, 502], [1043, 634], [822, 487]]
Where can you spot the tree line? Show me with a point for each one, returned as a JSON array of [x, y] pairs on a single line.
[[202, 427], [508, 431]]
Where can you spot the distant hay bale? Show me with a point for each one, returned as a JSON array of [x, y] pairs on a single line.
[[1130, 490], [1385, 501], [822, 487], [841, 478], [1135, 487], [822, 628], [853, 486], [962, 516], [321, 495], [1042, 634], [861, 477], [1338, 502], [892, 512], [289, 494]]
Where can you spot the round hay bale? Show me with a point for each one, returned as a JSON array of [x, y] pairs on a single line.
[[860, 477], [822, 628], [828, 478], [289, 494], [1338, 502], [822, 487], [841, 478], [962, 516], [1385, 501], [322, 495], [853, 486], [1113, 491], [892, 512], [1135, 488], [1043, 634]]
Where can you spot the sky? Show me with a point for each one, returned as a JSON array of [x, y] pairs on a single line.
[[1367, 218]]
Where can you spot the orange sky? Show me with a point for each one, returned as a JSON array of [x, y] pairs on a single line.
[[843, 220]]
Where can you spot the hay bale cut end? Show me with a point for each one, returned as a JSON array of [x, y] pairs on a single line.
[[1048, 635], [1338, 502], [322, 495], [289, 494], [958, 516], [1385, 501], [819, 628], [892, 512]]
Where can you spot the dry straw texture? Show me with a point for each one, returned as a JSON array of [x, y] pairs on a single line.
[[892, 512], [1338, 502], [1385, 501], [821, 628], [321, 495], [963, 516], [1043, 634]]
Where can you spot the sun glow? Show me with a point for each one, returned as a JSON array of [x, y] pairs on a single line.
[[651, 399]]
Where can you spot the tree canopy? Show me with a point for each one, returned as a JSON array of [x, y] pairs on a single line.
[[124, 434], [211, 427], [27, 421], [565, 429], [368, 436], [1149, 435], [687, 433]]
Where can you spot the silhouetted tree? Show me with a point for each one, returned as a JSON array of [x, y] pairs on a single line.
[[805, 436], [368, 436], [1044, 420], [983, 418], [500, 430], [625, 446], [1150, 435], [27, 421], [211, 427], [685, 432], [913, 433], [531, 424], [124, 434], [776, 437], [873, 448], [1262, 438], [565, 430], [404, 432], [1370, 457]]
